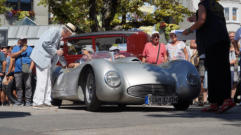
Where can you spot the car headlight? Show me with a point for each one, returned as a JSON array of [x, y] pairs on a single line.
[[112, 79]]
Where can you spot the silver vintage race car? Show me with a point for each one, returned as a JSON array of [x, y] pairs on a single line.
[[107, 79]]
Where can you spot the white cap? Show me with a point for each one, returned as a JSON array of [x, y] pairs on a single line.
[[21, 37], [70, 27], [112, 48], [173, 31], [155, 32], [88, 48]]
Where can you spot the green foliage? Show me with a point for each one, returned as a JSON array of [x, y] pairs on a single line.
[[3, 8], [99, 15]]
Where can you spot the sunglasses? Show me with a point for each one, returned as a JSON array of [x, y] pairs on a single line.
[[155, 35]]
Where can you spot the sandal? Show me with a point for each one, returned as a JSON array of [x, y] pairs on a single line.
[[211, 108], [227, 104]]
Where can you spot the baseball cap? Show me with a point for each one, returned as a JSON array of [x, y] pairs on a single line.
[[21, 37], [112, 48], [88, 48], [173, 32], [70, 27], [155, 32]]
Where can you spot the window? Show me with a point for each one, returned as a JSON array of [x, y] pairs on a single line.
[[234, 14], [75, 46], [111, 43], [226, 14], [23, 5]]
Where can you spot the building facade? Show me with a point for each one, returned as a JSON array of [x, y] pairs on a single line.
[[38, 13], [232, 12]]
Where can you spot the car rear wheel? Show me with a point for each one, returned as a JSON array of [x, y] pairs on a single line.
[[91, 101], [182, 105]]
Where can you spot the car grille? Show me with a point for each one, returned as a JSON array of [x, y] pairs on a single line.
[[154, 89]]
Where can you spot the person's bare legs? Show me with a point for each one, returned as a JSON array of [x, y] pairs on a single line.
[[233, 90], [2, 97], [205, 96]]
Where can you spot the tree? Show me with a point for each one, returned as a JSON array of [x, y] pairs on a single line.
[[101, 15], [3, 8]]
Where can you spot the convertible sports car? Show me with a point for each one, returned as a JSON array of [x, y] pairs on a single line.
[[107, 79]]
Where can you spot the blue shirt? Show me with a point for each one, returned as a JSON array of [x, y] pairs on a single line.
[[8, 59], [2, 58], [23, 58]]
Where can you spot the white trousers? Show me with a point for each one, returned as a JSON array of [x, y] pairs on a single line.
[[42, 94]]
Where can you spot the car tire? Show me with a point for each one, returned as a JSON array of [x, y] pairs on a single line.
[[121, 106], [182, 105], [56, 102], [91, 101]]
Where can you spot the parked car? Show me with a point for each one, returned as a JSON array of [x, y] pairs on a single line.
[[126, 41], [125, 81]]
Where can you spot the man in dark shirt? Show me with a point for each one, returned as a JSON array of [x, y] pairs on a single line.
[[213, 40]]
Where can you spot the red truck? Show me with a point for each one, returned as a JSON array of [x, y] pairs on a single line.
[[126, 41]]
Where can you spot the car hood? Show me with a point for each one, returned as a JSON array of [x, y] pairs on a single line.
[[137, 74]]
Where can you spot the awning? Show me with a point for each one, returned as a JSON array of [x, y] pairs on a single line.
[[26, 21], [31, 32]]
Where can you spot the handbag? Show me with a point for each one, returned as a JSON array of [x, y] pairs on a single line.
[[25, 68], [5, 80], [195, 58]]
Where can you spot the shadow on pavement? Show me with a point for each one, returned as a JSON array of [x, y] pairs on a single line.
[[13, 114], [233, 114], [115, 108]]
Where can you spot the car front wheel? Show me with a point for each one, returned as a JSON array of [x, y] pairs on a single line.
[[91, 101], [182, 105]]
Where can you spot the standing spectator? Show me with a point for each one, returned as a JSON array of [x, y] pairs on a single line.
[[5, 52], [234, 64], [154, 52], [233, 60], [2, 73], [22, 73], [46, 54], [176, 49], [212, 37], [199, 63], [8, 85], [236, 40]]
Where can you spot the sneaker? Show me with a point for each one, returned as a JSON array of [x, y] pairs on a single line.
[[227, 104], [42, 106], [51, 106], [211, 108], [28, 104], [201, 103], [18, 104]]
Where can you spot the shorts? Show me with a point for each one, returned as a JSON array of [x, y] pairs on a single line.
[[236, 74], [201, 68]]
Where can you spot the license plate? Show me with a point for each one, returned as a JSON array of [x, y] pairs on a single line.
[[160, 100]]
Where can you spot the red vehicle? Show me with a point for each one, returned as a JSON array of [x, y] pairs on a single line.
[[126, 41]]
